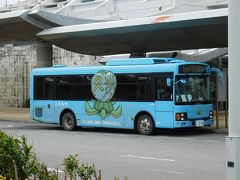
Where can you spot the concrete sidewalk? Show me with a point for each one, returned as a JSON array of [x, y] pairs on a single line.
[[14, 114], [21, 114]]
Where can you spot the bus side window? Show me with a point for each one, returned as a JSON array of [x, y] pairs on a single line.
[[44, 87], [49, 87], [38, 88], [163, 92]]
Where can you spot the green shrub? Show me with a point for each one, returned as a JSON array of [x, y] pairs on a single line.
[[73, 168], [16, 149], [71, 165], [26, 163], [86, 172]]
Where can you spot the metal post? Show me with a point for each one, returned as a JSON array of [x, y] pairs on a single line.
[[233, 139], [226, 102], [217, 108]]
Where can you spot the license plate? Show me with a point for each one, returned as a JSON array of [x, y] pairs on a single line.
[[199, 123]]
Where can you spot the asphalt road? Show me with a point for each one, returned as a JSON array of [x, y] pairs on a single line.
[[168, 155]]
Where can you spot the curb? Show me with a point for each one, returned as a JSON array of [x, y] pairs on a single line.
[[220, 131], [16, 120]]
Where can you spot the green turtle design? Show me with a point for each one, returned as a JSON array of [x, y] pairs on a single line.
[[103, 86]]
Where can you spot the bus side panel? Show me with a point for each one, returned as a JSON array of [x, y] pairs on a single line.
[[129, 110], [31, 113], [88, 117], [78, 108], [43, 111], [164, 115], [121, 114]]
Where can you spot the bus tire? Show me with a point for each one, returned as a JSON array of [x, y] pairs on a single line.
[[68, 121], [145, 125]]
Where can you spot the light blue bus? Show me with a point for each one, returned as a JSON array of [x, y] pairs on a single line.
[[137, 93]]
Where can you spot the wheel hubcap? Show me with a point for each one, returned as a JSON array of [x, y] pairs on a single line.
[[68, 121], [145, 125]]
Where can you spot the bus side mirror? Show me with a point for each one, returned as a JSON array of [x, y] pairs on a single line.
[[168, 82], [219, 73], [183, 81]]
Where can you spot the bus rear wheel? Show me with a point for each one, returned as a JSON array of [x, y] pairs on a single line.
[[68, 121], [145, 125]]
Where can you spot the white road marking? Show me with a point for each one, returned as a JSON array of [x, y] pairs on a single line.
[[148, 158], [9, 126], [175, 172], [172, 172]]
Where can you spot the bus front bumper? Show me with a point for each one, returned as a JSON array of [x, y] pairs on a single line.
[[194, 123]]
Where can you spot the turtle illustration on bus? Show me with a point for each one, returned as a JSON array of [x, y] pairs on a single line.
[[103, 86]]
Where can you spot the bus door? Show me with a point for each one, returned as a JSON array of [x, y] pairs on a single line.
[[164, 105], [44, 104]]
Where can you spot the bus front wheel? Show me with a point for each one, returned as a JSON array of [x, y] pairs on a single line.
[[145, 125], [68, 121]]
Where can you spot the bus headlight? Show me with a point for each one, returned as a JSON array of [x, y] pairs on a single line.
[[181, 116], [211, 114]]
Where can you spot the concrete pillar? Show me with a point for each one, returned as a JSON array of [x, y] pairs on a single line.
[[233, 140], [44, 54]]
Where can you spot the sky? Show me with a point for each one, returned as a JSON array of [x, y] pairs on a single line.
[[9, 2]]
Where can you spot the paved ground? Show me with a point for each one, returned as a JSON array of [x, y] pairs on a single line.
[[169, 155]]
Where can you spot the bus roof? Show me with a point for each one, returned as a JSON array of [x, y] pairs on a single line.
[[133, 65], [142, 61]]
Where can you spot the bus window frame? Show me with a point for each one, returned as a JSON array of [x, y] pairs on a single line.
[[44, 90], [153, 76]]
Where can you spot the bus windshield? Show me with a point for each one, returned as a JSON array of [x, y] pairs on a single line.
[[192, 90]]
